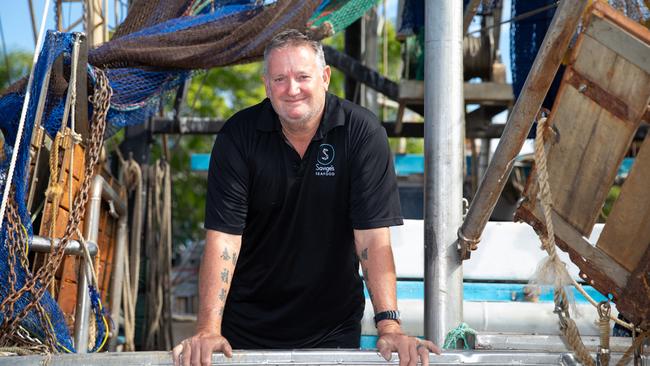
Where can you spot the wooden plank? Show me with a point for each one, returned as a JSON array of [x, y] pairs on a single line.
[[590, 258], [67, 294], [582, 165], [77, 177], [614, 74], [626, 236], [620, 41], [106, 243], [599, 95], [412, 91], [602, 9], [634, 303]]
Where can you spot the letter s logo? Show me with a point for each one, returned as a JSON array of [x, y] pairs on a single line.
[[325, 154]]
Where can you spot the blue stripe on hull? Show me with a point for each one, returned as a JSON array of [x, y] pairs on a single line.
[[473, 291]]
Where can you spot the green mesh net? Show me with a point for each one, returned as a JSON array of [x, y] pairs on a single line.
[[339, 13]]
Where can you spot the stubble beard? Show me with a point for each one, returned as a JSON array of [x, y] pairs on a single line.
[[302, 123]]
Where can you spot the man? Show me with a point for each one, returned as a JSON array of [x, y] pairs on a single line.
[[301, 188]]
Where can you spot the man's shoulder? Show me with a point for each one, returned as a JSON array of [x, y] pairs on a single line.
[[358, 120], [246, 120]]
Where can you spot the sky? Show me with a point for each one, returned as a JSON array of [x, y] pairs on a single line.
[[17, 27]]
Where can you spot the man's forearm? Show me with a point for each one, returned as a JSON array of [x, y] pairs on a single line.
[[376, 257], [217, 268]]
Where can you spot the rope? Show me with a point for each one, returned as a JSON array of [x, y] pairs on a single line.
[[54, 190], [70, 106], [158, 317], [133, 181], [88, 259], [23, 115], [543, 273], [604, 312], [552, 269], [636, 344], [459, 333]]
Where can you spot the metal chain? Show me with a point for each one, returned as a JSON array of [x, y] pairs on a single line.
[[101, 102], [15, 238]]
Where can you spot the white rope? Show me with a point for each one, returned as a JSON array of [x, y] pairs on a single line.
[[70, 109], [88, 259], [23, 115]]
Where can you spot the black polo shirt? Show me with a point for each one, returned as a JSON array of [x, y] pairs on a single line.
[[297, 274]]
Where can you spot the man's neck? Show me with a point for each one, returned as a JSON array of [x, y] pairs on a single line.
[[300, 136]]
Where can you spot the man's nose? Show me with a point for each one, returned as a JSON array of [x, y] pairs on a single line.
[[294, 87]]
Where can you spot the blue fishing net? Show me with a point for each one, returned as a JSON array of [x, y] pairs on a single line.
[[54, 46], [158, 49]]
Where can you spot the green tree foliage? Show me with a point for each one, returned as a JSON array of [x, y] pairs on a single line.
[[216, 94], [19, 64]]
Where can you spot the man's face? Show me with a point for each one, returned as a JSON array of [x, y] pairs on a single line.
[[295, 84]]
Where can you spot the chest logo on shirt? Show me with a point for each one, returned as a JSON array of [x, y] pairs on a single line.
[[324, 161]]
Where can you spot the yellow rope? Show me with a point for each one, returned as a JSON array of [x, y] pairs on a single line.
[[54, 189], [553, 268], [604, 312]]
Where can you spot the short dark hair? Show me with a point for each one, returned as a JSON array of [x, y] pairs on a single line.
[[295, 38]]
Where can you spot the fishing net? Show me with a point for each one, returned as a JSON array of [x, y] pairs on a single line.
[[526, 36], [152, 52], [55, 45], [340, 14]]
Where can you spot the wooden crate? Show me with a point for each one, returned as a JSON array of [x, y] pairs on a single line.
[[603, 97]]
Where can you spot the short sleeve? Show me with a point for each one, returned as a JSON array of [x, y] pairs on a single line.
[[226, 203], [374, 198]]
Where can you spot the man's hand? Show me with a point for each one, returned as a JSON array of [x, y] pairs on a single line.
[[409, 349], [197, 350]]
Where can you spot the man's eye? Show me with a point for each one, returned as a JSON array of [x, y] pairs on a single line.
[[305, 77], [277, 80]]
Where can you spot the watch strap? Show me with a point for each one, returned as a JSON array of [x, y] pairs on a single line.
[[387, 315]]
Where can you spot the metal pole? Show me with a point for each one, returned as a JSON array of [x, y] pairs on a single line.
[[520, 120], [91, 233], [44, 245], [443, 144], [118, 276], [33, 21], [100, 189]]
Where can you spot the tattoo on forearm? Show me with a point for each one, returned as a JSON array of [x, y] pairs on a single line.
[[222, 294], [234, 258], [364, 254], [225, 275], [225, 255], [221, 311]]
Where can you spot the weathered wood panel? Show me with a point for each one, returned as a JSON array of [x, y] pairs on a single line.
[[602, 99], [77, 177], [598, 109], [582, 164], [615, 74], [605, 274], [106, 244], [621, 41], [626, 236]]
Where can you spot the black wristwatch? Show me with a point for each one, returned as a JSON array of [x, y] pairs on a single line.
[[387, 315]]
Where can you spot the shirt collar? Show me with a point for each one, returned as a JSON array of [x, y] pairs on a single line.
[[333, 116]]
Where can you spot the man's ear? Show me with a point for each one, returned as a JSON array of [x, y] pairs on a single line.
[[327, 73], [267, 86]]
